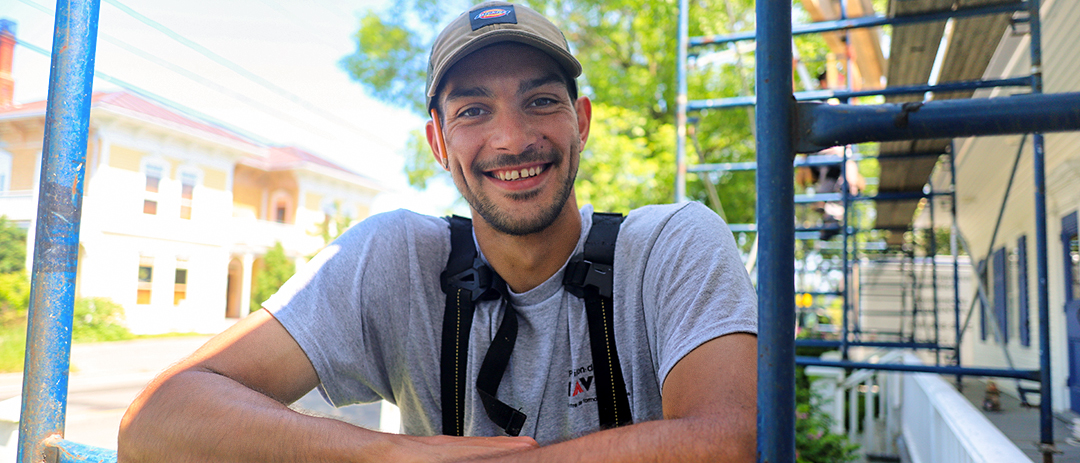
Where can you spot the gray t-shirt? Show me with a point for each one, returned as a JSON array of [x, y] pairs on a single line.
[[368, 313]]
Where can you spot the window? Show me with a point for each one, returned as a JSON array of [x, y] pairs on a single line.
[[146, 278], [1001, 294], [187, 190], [153, 183], [280, 210], [5, 170], [180, 285]]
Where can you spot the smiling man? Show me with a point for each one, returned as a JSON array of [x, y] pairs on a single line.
[[508, 357]]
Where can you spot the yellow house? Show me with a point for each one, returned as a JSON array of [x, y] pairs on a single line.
[[177, 212]]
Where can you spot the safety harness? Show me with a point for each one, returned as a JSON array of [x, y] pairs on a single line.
[[468, 280]]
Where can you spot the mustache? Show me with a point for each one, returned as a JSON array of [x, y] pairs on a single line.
[[529, 156]]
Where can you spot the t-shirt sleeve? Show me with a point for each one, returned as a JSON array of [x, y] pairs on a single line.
[[347, 306], [699, 286]]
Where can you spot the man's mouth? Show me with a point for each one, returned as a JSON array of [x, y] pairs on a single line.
[[510, 175]]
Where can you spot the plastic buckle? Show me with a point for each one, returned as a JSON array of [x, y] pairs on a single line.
[[581, 274], [479, 281]]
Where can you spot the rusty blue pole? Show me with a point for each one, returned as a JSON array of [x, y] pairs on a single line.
[[1046, 410], [56, 244], [776, 224]]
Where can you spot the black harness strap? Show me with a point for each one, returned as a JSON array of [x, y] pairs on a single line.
[[491, 374], [467, 280], [589, 276]]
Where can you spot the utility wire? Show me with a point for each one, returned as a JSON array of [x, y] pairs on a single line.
[[242, 71], [156, 98], [185, 73], [209, 83]]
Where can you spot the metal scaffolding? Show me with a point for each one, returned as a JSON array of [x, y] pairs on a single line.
[[787, 122], [790, 122]]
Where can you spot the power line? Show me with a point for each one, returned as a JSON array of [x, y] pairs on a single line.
[[242, 71], [156, 98], [183, 72], [206, 82]]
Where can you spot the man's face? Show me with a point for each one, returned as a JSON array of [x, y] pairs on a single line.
[[513, 136]]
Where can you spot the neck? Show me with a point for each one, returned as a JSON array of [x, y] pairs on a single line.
[[525, 262]]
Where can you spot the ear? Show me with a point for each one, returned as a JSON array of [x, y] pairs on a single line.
[[434, 139], [584, 116]]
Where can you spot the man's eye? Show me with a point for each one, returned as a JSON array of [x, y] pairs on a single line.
[[543, 101], [471, 112]]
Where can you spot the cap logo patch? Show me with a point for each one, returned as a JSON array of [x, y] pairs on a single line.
[[492, 15]]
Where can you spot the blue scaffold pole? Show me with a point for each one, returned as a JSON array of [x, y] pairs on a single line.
[[56, 244], [776, 225]]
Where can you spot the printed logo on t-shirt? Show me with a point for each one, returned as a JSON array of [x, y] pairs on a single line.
[[580, 389]]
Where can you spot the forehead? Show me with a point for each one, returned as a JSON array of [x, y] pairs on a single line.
[[501, 61]]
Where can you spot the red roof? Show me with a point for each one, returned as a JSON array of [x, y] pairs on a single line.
[[290, 157], [279, 157], [130, 102]]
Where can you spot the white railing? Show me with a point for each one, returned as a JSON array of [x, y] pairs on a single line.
[[935, 422], [939, 424]]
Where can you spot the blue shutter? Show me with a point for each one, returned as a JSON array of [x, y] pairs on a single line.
[[982, 305], [1001, 293], [1022, 292]]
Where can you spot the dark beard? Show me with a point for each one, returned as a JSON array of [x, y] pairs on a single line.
[[520, 226]]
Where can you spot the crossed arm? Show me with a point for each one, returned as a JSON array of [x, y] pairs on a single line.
[[227, 403]]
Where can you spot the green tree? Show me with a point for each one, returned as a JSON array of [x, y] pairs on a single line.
[[14, 283], [12, 247], [277, 268], [628, 51]]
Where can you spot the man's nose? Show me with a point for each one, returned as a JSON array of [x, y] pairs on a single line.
[[514, 132]]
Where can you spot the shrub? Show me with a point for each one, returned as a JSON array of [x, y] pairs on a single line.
[[814, 442], [14, 296], [98, 319], [277, 268]]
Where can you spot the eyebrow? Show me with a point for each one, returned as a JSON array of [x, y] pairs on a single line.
[[539, 82], [524, 87], [468, 93]]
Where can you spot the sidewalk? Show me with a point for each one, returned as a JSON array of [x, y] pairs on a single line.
[[106, 377], [1021, 424]]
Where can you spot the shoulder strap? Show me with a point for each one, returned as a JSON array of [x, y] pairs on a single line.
[[589, 275], [466, 280]]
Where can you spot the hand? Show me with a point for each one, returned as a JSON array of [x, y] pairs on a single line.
[[452, 448]]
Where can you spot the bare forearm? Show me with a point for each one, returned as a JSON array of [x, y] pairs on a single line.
[[198, 416], [693, 439]]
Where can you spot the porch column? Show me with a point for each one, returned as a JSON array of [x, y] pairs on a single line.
[[245, 286]]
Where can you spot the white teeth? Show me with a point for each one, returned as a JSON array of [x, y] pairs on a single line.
[[519, 174]]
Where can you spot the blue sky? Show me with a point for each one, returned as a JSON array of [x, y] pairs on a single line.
[[293, 45]]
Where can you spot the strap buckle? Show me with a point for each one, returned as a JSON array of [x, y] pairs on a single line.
[[581, 274], [480, 281]]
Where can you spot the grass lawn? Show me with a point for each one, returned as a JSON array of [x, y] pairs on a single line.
[[12, 347]]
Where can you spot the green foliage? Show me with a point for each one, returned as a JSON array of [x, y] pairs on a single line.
[[814, 442], [12, 247], [390, 61], [334, 224], [98, 319], [277, 268], [14, 296], [420, 164], [627, 49], [621, 157]]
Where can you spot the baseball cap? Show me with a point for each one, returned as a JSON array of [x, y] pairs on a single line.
[[493, 22]]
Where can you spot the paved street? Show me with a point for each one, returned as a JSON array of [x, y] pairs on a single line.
[[106, 377]]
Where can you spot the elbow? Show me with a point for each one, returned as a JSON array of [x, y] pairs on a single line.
[[127, 444]]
